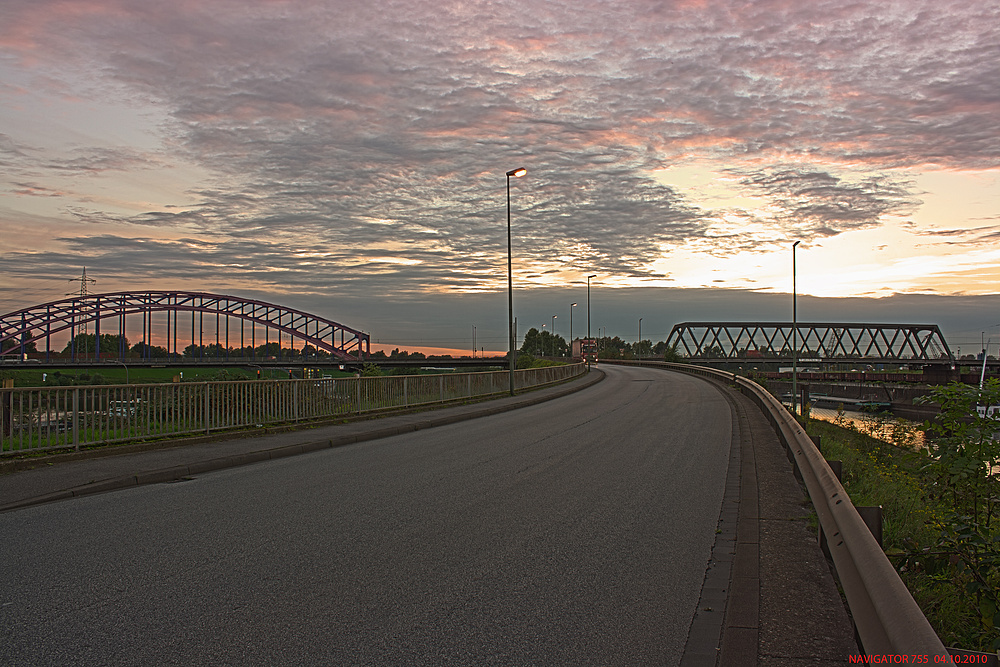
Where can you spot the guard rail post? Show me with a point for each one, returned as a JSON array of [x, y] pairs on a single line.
[[76, 418], [7, 409], [208, 408]]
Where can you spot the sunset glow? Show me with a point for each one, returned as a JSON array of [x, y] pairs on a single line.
[[350, 157]]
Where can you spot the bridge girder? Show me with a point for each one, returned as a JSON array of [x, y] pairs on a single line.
[[38, 323], [833, 342]]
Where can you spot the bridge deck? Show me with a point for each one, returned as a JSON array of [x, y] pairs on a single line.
[[782, 604]]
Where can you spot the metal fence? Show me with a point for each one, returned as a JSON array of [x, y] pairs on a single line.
[[50, 418]]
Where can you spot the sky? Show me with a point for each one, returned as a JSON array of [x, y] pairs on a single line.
[[349, 159]]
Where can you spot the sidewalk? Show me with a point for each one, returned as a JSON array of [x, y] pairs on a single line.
[[35, 480]]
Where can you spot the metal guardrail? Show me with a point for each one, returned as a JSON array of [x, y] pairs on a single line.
[[888, 620], [35, 419]]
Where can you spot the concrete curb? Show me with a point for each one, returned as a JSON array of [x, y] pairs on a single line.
[[173, 473]]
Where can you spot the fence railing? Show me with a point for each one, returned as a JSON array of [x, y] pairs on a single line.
[[51, 418], [887, 618]]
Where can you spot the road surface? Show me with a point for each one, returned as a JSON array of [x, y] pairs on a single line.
[[576, 531]]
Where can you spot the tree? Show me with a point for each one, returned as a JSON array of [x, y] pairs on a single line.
[[404, 355], [310, 352], [87, 342], [268, 350], [611, 348], [671, 354], [544, 344], [713, 352], [532, 342], [12, 343], [963, 457], [143, 351], [610, 353]]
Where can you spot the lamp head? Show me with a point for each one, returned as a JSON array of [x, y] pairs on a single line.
[[520, 171]]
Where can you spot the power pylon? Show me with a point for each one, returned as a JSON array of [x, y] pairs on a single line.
[[84, 291]]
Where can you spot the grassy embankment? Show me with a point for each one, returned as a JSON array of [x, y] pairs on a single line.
[[888, 470], [33, 377]]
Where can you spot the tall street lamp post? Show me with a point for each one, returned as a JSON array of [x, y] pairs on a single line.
[[588, 303], [795, 338], [521, 171], [553, 330], [638, 343], [571, 307]]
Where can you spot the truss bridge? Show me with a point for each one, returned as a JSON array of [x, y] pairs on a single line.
[[812, 342], [166, 323]]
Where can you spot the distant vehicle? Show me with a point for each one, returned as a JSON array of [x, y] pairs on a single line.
[[123, 408], [19, 359], [586, 349]]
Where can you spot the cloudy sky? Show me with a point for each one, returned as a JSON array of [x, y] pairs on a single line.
[[348, 158]]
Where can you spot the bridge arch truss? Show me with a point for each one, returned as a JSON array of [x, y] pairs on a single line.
[[40, 323], [831, 342]]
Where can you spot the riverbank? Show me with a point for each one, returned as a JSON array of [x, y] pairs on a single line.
[[886, 469]]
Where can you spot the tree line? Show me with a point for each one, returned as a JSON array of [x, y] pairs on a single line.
[[545, 344], [111, 345]]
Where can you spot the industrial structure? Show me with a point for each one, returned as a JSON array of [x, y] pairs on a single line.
[[171, 320]]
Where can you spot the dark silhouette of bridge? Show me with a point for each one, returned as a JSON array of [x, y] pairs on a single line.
[[171, 318], [164, 325], [750, 342]]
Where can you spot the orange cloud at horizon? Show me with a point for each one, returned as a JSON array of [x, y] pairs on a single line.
[[435, 351]]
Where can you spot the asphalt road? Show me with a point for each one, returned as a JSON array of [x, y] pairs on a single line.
[[572, 532]]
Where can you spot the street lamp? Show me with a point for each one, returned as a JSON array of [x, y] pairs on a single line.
[[571, 307], [553, 330], [521, 171], [795, 338], [588, 303], [638, 343]]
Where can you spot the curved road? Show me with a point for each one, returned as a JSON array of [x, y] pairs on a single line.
[[572, 532]]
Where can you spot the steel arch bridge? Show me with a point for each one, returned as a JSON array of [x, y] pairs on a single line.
[[828, 342], [39, 323]]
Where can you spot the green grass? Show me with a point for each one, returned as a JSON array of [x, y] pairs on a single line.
[[877, 472]]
